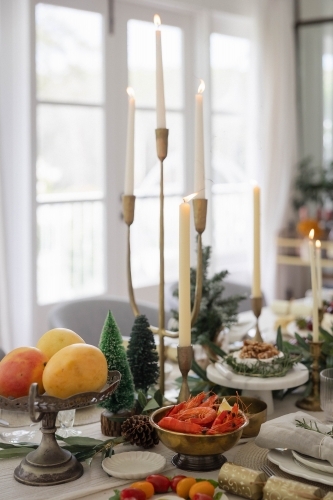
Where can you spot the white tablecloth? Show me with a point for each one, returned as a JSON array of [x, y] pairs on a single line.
[[95, 484]]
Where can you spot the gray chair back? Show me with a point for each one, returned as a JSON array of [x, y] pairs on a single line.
[[86, 317]]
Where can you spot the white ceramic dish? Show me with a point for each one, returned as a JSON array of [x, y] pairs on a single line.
[[292, 328], [287, 463], [133, 464], [252, 361], [313, 463]]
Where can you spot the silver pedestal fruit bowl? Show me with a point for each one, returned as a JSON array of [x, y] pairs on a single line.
[[50, 464]]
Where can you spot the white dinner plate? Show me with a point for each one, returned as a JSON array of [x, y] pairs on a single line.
[[313, 463], [133, 464], [287, 463]]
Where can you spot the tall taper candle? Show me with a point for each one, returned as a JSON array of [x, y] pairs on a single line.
[[314, 286], [184, 293], [199, 152], [160, 103], [129, 166], [256, 281], [319, 274]]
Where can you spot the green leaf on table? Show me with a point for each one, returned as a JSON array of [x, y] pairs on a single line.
[[302, 342], [15, 452], [142, 399], [326, 335], [218, 495], [80, 440], [151, 405], [279, 340], [158, 396], [211, 481], [6, 446], [198, 370], [116, 495]]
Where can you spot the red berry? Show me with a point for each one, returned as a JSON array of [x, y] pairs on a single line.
[[174, 481]]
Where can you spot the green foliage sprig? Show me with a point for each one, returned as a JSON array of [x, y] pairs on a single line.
[[313, 426], [83, 448], [312, 184], [278, 367], [215, 310]]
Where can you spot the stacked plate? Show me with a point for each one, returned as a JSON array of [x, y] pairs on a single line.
[[297, 464]]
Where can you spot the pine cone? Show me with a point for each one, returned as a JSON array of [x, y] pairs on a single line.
[[138, 430]]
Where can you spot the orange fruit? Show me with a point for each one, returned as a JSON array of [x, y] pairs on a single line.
[[144, 486], [202, 487], [184, 486]]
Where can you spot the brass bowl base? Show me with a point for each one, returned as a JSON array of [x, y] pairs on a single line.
[[198, 462], [36, 475]]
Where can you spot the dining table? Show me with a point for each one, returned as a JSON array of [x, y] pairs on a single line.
[[95, 484]]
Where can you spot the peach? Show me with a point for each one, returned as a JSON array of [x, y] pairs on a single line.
[[74, 369], [56, 339], [19, 369]]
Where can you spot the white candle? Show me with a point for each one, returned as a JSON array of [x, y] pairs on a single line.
[[184, 291], [319, 274], [199, 152], [315, 321], [160, 103], [129, 166], [256, 285]]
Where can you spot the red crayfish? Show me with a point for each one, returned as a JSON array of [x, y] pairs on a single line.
[[199, 415]]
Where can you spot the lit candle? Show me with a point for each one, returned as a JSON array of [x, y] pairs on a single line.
[[315, 321], [319, 274], [160, 103], [129, 166], [199, 153], [256, 286], [184, 291]]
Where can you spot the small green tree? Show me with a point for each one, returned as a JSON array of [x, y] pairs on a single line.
[[142, 355], [111, 345]]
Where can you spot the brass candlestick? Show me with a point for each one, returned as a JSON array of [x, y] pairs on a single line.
[[256, 308], [312, 402], [185, 357], [200, 211]]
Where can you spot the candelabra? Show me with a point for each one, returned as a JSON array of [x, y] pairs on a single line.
[[200, 212]]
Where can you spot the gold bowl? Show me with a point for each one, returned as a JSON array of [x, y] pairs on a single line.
[[196, 451], [255, 410]]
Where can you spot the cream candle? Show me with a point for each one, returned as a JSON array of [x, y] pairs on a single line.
[[184, 291], [314, 286], [319, 274], [129, 165], [256, 281], [199, 152], [160, 102]]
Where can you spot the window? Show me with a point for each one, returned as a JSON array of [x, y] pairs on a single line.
[[70, 153]]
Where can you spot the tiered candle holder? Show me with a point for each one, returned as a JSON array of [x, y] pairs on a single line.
[[200, 212], [50, 464]]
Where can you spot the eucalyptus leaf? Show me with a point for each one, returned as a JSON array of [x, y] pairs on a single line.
[[15, 452], [279, 341], [116, 495], [142, 399], [158, 396], [80, 440], [302, 342], [151, 405]]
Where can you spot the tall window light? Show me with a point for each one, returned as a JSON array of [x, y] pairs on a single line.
[[230, 64], [141, 76], [70, 163]]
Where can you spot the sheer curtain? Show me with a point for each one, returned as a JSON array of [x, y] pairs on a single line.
[[277, 131]]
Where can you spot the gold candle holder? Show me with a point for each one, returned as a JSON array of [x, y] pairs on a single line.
[[185, 358], [200, 211], [312, 402], [256, 308]]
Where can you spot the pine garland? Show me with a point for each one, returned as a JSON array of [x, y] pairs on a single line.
[[111, 345], [142, 355], [278, 367]]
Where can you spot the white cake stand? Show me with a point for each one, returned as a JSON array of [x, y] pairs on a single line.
[[257, 387]]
